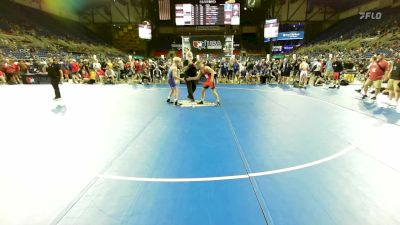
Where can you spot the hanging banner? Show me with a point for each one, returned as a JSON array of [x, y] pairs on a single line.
[[294, 35], [284, 36], [207, 44], [277, 49]]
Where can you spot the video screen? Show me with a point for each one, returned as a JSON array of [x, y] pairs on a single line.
[[207, 14], [271, 30], [145, 31]]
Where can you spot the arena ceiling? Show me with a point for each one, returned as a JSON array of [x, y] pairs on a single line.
[[104, 2], [338, 5]]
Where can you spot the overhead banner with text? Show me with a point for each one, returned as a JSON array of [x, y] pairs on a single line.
[[207, 44], [284, 36]]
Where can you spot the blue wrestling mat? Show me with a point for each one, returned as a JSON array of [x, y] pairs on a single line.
[[269, 155]]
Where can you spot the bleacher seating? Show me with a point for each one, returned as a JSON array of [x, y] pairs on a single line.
[[44, 24], [354, 26], [40, 35]]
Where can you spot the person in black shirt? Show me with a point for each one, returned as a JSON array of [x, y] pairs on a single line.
[[190, 71], [337, 70], [296, 69], [285, 68], [55, 73], [394, 81]]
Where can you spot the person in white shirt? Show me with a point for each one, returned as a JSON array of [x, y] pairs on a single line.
[[96, 65], [304, 68], [110, 74], [317, 72]]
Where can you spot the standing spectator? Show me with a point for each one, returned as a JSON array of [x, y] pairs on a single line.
[[12, 72], [96, 65], [377, 70], [74, 68], [64, 69], [5, 65], [317, 72], [66, 74], [236, 69], [329, 69], [223, 68], [264, 73], [296, 69], [138, 69], [23, 69], [243, 73], [128, 69], [146, 75], [4, 68], [304, 68], [92, 77], [162, 66], [55, 73], [2, 78], [146, 69], [121, 69], [230, 70], [337, 66], [286, 68], [394, 81]]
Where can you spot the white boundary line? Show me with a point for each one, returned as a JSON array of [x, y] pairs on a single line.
[[234, 177], [173, 180], [306, 165]]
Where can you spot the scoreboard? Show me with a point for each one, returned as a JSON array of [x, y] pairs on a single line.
[[207, 14]]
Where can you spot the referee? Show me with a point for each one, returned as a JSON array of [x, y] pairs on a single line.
[[55, 73], [190, 71]]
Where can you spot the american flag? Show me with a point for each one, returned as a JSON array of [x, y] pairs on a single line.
[[164, 7]]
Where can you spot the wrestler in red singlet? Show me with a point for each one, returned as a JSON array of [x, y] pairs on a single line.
[[208, 83]]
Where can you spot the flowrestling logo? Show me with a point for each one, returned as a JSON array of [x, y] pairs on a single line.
[[210, 45], [370, 15]]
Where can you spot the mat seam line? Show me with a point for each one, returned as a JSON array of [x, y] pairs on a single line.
[[80, 195], [256, 191]]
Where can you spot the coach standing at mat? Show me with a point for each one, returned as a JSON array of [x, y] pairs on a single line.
[[55, 73]]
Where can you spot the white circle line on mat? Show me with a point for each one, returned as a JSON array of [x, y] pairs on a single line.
[[233, 177]]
